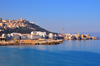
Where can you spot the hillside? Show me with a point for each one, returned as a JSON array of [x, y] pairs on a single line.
[[30, 27], [21, 26]]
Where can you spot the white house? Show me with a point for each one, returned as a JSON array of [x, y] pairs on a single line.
[[50, 35]]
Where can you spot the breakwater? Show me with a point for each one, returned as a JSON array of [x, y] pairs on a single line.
[[32, 42]]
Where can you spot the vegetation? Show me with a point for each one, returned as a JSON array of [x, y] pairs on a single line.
[[25, 29]]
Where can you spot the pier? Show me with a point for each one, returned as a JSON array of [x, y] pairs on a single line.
[[32, 42]]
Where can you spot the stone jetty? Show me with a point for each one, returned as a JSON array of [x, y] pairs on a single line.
[[32, 42]]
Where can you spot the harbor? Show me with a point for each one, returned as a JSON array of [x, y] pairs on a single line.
[[40, 38]]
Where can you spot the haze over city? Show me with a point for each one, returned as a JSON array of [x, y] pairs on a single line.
[[78, 15]]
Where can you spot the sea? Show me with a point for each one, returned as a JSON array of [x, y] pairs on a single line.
[[69, 53]]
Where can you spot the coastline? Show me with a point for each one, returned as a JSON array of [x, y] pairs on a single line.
[[32, 42]]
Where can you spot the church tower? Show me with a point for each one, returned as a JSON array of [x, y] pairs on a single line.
[[21, 19]]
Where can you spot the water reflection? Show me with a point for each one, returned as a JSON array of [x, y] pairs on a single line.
[[71, 45], [69, 53]]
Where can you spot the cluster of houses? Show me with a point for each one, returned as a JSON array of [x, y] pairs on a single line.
[[6, 24], [33, 36]]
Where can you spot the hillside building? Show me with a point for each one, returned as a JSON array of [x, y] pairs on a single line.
[[21, 19], [0, 19], [1, 24], [4, 20]]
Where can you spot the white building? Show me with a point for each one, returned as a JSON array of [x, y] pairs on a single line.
[[39, 33], [32, 22], [50, 35], [12, 34]]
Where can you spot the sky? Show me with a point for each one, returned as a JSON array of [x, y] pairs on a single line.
[[77, 15]]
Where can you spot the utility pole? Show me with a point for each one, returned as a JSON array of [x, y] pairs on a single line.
[[78, 31], [62, 30], [68, 30]]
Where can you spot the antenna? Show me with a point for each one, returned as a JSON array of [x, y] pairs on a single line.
[[62, 30], [68, 30], [78, 31]]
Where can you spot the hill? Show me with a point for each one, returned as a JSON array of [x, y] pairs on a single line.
[[21, 26]]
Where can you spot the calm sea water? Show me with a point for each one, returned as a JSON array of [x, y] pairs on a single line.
[[69, 53]]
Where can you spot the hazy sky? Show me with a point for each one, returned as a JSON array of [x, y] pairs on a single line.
[[53, 15]]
